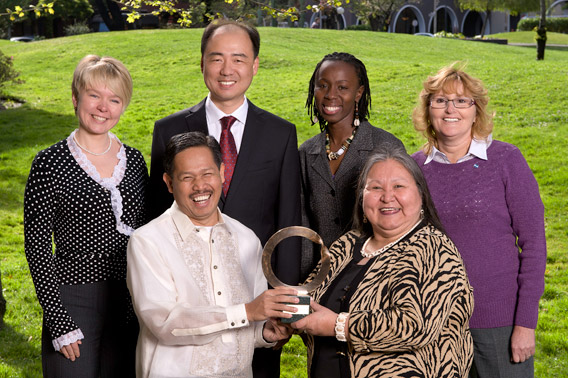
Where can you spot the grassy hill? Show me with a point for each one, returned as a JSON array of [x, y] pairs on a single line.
[[528, 96]]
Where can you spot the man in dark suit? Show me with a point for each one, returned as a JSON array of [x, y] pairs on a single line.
[[264, 190]]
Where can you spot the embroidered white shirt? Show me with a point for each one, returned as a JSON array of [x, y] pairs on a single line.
[[189, 285], [477, 148], [214, 115]]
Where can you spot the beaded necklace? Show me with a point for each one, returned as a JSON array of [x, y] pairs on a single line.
[[344, 146]]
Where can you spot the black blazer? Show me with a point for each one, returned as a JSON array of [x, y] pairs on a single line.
[[265, 189], [328, 202]]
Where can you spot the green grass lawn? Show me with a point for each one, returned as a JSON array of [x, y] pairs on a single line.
[[528, 96]]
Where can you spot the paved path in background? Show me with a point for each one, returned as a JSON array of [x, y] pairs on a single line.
[[534, 45]]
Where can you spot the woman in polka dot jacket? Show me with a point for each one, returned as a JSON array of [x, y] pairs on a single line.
[[86, 194]]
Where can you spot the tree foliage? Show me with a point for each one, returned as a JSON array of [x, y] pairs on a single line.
[[378, 12], [513, 6], [489, 6], [191, 12], [68, 11], [20, 9], [71, 10]]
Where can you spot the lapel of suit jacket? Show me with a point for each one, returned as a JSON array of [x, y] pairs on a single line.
[[363, 141], [196, 120], [252, 135], [319, 161]]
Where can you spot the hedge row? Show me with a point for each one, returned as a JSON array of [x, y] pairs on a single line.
[[359, 27], [553, 24]]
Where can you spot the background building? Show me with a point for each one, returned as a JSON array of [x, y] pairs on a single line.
[[428, 16]]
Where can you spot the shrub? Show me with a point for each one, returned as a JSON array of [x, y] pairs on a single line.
[[553, 24], [359, 27], [7, 72], [445, 34], [77, 28]]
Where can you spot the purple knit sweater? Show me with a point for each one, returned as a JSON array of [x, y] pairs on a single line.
[[492, 210]]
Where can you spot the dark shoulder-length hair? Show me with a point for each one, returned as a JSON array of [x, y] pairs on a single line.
[[396, 153]]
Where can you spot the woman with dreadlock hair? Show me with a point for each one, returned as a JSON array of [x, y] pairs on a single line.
[[339, 99]]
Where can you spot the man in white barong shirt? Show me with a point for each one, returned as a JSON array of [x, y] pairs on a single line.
[[196, 278]]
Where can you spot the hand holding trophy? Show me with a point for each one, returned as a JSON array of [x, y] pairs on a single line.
[[304, 299]]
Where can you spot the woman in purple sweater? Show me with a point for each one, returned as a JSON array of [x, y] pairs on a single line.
[[489, 203]]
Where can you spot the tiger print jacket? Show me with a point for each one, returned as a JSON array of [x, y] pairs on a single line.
[[409, 316]]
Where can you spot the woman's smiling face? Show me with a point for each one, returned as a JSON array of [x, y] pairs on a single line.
[[391, 200], [451, 122], [336, 90], [98, 109]]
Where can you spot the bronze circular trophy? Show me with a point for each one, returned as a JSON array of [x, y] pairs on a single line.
[[304, 305]]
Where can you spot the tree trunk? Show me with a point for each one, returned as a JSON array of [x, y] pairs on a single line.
[[110, 13], [540, 47], [487, 19], [541, 32], [375, 22], [2, 303]]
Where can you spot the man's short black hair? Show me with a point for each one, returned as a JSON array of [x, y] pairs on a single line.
[[183, 141]]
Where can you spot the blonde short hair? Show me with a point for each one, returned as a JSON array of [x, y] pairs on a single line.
[[93, 70], [446, 80]]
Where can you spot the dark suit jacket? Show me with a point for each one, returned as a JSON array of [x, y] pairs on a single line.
[[328, 202], [265, 189]]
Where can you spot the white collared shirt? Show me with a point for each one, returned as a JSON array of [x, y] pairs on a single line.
[[214, 115], [189, 285], [477, 148]]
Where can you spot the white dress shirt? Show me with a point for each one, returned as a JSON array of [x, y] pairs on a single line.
[[214, 115], [189, 285], [477, 148]]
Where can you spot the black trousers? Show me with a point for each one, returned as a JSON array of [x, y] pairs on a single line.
[[108, 350], [266, 363]]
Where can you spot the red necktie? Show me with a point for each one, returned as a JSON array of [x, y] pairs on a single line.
[[228, 150]]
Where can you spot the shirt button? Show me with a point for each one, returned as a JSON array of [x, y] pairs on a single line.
[[232, 324], [332, 192], [218, 293], [243, 321], [212, 241], [214, 266]]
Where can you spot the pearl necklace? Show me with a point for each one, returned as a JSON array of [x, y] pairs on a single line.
[[95, 153], [386, 247]]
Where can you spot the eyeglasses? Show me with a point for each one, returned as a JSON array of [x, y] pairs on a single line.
[[460, 103]]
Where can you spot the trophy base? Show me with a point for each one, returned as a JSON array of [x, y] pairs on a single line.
[[303, 309]]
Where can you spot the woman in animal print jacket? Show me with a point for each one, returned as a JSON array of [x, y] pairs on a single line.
[[397, 301]]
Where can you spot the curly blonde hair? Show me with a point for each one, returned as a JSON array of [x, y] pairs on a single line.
[[447, 80]]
